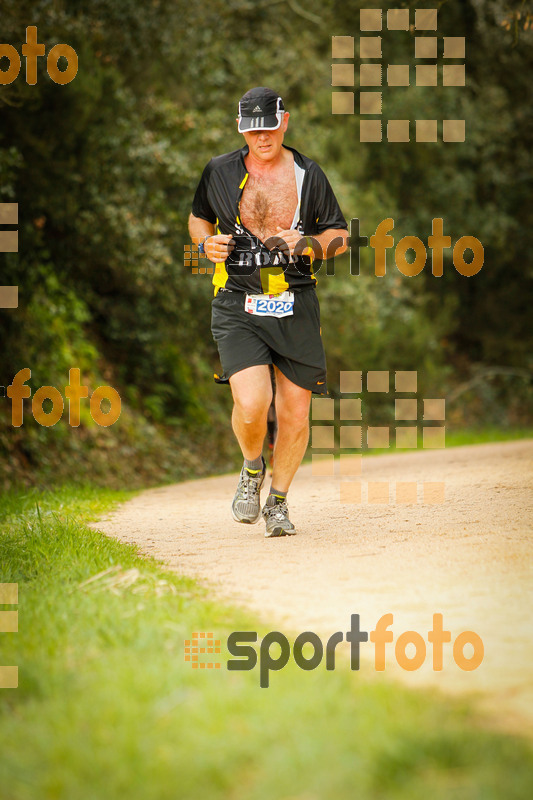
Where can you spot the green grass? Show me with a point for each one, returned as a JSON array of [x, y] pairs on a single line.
[[107, 708], [463, 436], [454, 438]]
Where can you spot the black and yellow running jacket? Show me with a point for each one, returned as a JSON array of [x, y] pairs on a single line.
[[252, 267]]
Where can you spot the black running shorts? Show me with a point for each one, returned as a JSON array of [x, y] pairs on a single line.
[[293, 344]]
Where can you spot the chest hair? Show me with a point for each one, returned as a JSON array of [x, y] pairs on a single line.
[[268, 202]]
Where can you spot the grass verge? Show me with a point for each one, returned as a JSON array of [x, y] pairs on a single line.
[[454, 438], [107, 708], [462, 436]]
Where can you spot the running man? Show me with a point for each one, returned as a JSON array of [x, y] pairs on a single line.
[[262, 214]]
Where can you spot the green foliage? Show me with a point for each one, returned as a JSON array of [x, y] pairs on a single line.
[[104, 170]]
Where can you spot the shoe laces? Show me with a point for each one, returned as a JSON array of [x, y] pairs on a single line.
[[280, 510], [249, 484]]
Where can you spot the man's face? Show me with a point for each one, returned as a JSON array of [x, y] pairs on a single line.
[[266, 145]]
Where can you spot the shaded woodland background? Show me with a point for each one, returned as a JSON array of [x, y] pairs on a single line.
[[104, 170]]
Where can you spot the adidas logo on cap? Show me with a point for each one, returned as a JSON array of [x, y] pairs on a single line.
[[257, 109]]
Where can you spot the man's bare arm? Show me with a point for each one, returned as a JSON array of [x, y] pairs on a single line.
[[332, 242], [329, 243], [217, 247]]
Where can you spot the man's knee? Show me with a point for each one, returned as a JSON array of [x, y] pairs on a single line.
[[295, 414], [252, 408]]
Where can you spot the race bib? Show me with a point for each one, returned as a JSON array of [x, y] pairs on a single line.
[[270, 305]]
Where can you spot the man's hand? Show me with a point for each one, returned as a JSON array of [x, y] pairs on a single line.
[[290, 239], [218, 247]]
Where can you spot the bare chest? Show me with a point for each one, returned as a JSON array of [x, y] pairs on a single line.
[[269, 202]]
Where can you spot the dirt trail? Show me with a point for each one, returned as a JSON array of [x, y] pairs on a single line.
[[469, 558]]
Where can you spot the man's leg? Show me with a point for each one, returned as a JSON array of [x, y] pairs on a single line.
[[292, 411], [252, 395]]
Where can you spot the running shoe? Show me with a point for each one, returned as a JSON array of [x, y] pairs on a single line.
[[276, 516], [246, 506]]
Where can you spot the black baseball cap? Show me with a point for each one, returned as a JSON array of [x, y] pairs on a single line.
[[260, 109]]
